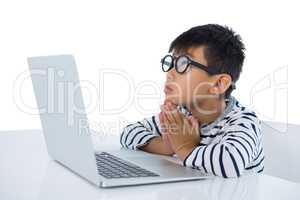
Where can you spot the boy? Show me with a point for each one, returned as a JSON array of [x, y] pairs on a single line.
[[200, 121]]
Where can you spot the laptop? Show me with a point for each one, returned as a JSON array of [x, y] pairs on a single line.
[[62, 113]]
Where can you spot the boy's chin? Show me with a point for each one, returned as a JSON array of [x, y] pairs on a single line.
[[172, 99], [175, 100]]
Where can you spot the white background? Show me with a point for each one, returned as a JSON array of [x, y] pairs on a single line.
[[133, 36]]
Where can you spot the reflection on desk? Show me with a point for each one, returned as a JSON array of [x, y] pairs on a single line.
[[26, 172], [57, 181]]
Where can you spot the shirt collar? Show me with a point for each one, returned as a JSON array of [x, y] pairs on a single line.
[[230, 102]]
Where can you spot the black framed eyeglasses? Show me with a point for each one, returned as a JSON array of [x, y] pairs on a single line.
[[182, 63]]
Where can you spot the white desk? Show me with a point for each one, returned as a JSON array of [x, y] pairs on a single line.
[[26, 172]]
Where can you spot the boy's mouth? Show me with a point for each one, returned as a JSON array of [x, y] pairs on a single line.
[[168, 89]]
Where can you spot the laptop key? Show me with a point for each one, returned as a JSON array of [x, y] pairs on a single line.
[[111, 166]]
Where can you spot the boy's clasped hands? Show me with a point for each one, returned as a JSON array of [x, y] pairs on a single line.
[[180, 133]]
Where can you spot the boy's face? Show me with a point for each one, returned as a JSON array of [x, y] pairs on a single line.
[[192, 86]]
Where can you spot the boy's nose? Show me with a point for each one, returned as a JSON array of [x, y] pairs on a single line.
[[171, 75]]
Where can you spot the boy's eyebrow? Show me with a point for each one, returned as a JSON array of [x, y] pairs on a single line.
[[189, 55]]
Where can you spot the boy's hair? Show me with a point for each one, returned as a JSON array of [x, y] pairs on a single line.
[[224, 48]]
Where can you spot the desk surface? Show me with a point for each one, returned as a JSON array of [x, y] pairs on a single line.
[[26, 172]]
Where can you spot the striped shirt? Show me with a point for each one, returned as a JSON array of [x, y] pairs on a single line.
[[229, 146]]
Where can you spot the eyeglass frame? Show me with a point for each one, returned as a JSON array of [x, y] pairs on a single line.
[[209, 70]]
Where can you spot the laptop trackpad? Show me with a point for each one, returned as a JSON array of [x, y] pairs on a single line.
[[150, 161], [145, 159]]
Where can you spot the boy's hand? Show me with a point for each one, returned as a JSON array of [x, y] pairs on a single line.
[[164, 135], [180, 131], [165, 139]]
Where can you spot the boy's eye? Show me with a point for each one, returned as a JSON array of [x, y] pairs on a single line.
[[167, 62], [182, 64]]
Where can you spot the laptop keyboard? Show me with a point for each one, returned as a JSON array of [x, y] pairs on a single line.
[[111, 166]]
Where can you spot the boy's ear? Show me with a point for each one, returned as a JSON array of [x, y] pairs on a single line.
[[223, 82]]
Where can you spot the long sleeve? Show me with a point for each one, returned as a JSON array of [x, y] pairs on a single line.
[[238, 149], [140, 133]]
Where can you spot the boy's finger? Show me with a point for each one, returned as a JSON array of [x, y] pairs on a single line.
[[182, 115], [164, 108], [190, 120], [176, 117], [160, 107], [166, 117], [171, 117], [162, 122], [195, 122], [187, 121], [160, 117], [171, 105]]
